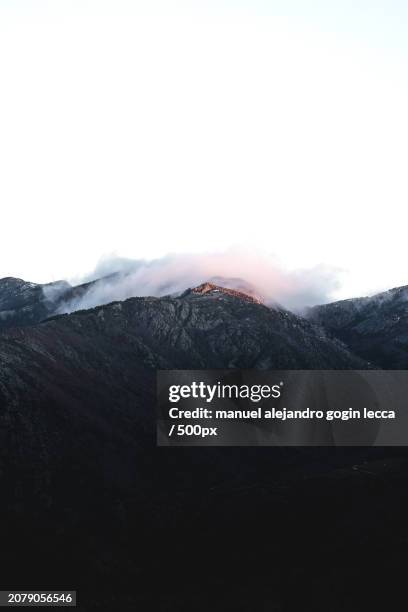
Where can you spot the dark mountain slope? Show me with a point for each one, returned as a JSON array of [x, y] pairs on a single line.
[[375, 328], [202, 329]]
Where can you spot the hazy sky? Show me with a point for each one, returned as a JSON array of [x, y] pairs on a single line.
[[144, 128]]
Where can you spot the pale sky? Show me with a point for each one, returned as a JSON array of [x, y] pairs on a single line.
[[147, 128]]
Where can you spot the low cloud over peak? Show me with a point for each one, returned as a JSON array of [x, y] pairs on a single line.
[[116, 278]]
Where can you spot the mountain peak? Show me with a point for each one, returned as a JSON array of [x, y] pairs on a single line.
[[210, 289], [11, 281]]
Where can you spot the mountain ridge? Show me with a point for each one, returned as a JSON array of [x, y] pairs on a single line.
[[213, 290], [374, 327]]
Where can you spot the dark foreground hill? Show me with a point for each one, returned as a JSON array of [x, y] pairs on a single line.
[[376, 328], [89, 502]]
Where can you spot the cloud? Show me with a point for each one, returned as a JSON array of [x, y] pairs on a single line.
[[116, 278]]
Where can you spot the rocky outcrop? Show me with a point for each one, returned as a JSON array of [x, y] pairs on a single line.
[[217, 291]]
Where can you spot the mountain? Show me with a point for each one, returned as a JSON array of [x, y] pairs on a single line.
[[23, 303], [89, 501], [207, 327], [375, 328], [224, 328]]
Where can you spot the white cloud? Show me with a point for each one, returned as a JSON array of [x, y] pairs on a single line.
[[119, 279]]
